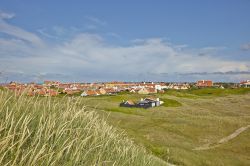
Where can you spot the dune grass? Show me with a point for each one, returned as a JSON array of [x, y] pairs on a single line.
[[170, 103], [207, 92], [60, 131], [218, 91]]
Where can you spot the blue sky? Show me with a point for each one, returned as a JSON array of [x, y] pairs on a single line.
[[164, 40]]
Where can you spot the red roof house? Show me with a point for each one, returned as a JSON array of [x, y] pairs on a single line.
[[204, 83]]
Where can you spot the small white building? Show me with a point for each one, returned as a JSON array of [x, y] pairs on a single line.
[[245, 84]]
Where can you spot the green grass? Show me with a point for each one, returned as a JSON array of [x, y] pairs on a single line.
[[126, 110], [207, 92], [61, 131], [180, 93], [170, 103], [189, 119], [218, 92], [2, 88]]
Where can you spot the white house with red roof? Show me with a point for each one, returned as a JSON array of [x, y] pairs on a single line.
[[245, 84]]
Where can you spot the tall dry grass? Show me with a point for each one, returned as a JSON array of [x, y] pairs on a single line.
[[53, 131]]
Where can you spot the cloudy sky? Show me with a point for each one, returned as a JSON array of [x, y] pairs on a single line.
[[132, 40]]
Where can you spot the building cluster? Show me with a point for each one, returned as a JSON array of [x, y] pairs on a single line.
[[178, 86], [53, 88], [31, 89], [143, 103], [109, 88]]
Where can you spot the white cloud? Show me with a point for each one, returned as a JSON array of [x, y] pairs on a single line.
[[245, 46], [112, 34], [16, 31], [45, 34], [96, 20], [90, 27], [4, 15], [90, 57]]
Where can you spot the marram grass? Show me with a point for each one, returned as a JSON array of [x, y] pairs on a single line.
[[52, 131]]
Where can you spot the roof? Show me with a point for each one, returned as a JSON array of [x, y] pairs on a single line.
[[151, 98], [204, 83], [151, 90], [98, 91], [130, 102], [41, 92], [245, 82], [144, 102], [109, 90], [91, 92]]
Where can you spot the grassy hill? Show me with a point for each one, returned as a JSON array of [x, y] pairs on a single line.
[[78, 130], [187, 120], [61, 131], [208, 92]]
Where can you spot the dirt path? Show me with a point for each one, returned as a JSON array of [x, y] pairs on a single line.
[[223, 140]]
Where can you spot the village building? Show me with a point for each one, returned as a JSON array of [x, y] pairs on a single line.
[[245, 84], [51, 92], [143, 103], [156, 101], [51, 83], [71, 91], [161, 86], [178, 86], [127, 103], [152, 90], [133, 90], [101, 91], [110, 91], [143, 91], [89, 93], [45, 92], [204, 83]]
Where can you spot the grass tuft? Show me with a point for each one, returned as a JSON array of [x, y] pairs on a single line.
[[52, 131]]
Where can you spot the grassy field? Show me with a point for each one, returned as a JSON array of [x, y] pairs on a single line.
[[62, 131], [188, 119], [96, 131], [213, 92]]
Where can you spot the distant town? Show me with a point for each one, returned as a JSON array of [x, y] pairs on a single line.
[[54, 88]]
